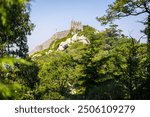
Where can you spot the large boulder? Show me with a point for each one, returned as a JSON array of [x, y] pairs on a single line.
[[83, 39], [45, 45], [69, 40], [62, 46], [75, 38]]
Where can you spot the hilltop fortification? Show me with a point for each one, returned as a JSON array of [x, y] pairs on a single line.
[[75, 26]]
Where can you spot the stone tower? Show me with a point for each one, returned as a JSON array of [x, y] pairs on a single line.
[[76, 26]]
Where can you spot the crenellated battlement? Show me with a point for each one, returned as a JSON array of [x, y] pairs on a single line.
[[76, 26]]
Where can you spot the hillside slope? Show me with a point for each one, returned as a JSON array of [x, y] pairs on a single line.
[[75, 27], [108, 66], [46, 44]]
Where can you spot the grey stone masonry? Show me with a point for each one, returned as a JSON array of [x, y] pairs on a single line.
[[76, 26]]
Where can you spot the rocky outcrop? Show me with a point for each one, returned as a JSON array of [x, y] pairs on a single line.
[[75, 27], [45, 45], [75, 38]]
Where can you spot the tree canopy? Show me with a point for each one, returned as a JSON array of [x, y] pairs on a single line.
[[110, 66], [15, 25], [124, 8], [17, 76]]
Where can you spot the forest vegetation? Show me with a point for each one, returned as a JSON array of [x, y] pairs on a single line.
[[112, 66]]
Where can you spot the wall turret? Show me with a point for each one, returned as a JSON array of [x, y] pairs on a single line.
[[76, 26]]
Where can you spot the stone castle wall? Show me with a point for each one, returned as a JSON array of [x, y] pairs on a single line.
[[75, 26]]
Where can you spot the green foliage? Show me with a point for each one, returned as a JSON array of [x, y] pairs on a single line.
[[15, 25], [124, 8], [17, 78], [98, 69], [112, 66], [11, 61], [58, 77], [131, 70], [87, 31], [55, 44], [5, 4], [10, 91]]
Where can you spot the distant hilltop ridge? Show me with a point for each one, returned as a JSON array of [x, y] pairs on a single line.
[[74, 26]]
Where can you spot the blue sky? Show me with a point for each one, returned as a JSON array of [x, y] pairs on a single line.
[[51, 16]]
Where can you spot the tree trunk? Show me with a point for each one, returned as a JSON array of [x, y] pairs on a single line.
[[148, 46], [148, 60]]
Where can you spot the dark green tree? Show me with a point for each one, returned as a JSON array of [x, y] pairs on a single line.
[[58, 77], [98, 67], [18, 76], [124, 8], [15, 25], [130, 77]]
